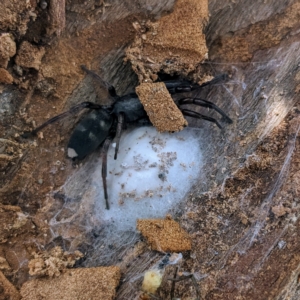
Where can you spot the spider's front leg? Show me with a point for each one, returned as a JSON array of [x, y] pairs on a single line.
[[120, 126], [184, 86], [104, 151], [73, 110], [176, 86], [203, 103], [99, 80]]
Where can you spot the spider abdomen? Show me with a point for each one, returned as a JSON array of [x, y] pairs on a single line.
[[89, 134]]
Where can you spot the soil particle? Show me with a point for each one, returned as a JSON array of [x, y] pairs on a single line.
[[86, 283], [30, 56], [280, 210], [160, 107], [4, 264], [164, 235], [5, 77], [7, 49], [7, 290], [52, 263], [15, 15], [12, 219]]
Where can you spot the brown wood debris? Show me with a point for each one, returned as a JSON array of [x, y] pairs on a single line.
[[160, 107], [164, 235], [84, 283], [8, 291], [174, 43]]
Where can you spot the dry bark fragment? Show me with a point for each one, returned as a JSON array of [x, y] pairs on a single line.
[[57, 12], [160, 107], [84, 283], [175, 43], [164, 235]]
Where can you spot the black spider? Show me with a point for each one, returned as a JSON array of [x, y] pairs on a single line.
[[105, 123]]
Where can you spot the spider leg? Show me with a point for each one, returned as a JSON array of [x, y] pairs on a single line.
[[104, 151], [196, 115], [107, 85], [71, 111], [179, 86], [121, 119], [204, 103]]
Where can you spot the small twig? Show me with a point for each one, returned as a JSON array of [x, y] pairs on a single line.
[[181, 278], [184, 277], [196, 286], [153, 296], [173, 284]]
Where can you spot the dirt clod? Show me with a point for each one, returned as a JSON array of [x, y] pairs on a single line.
[[8, 291], [175, 43], [280, 210], [5, 77], [160, 107], [164, 235], [7, 49], [4, 264], [52, 263], [12, 219], [85, 283], [15, 15], [30, 56]]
